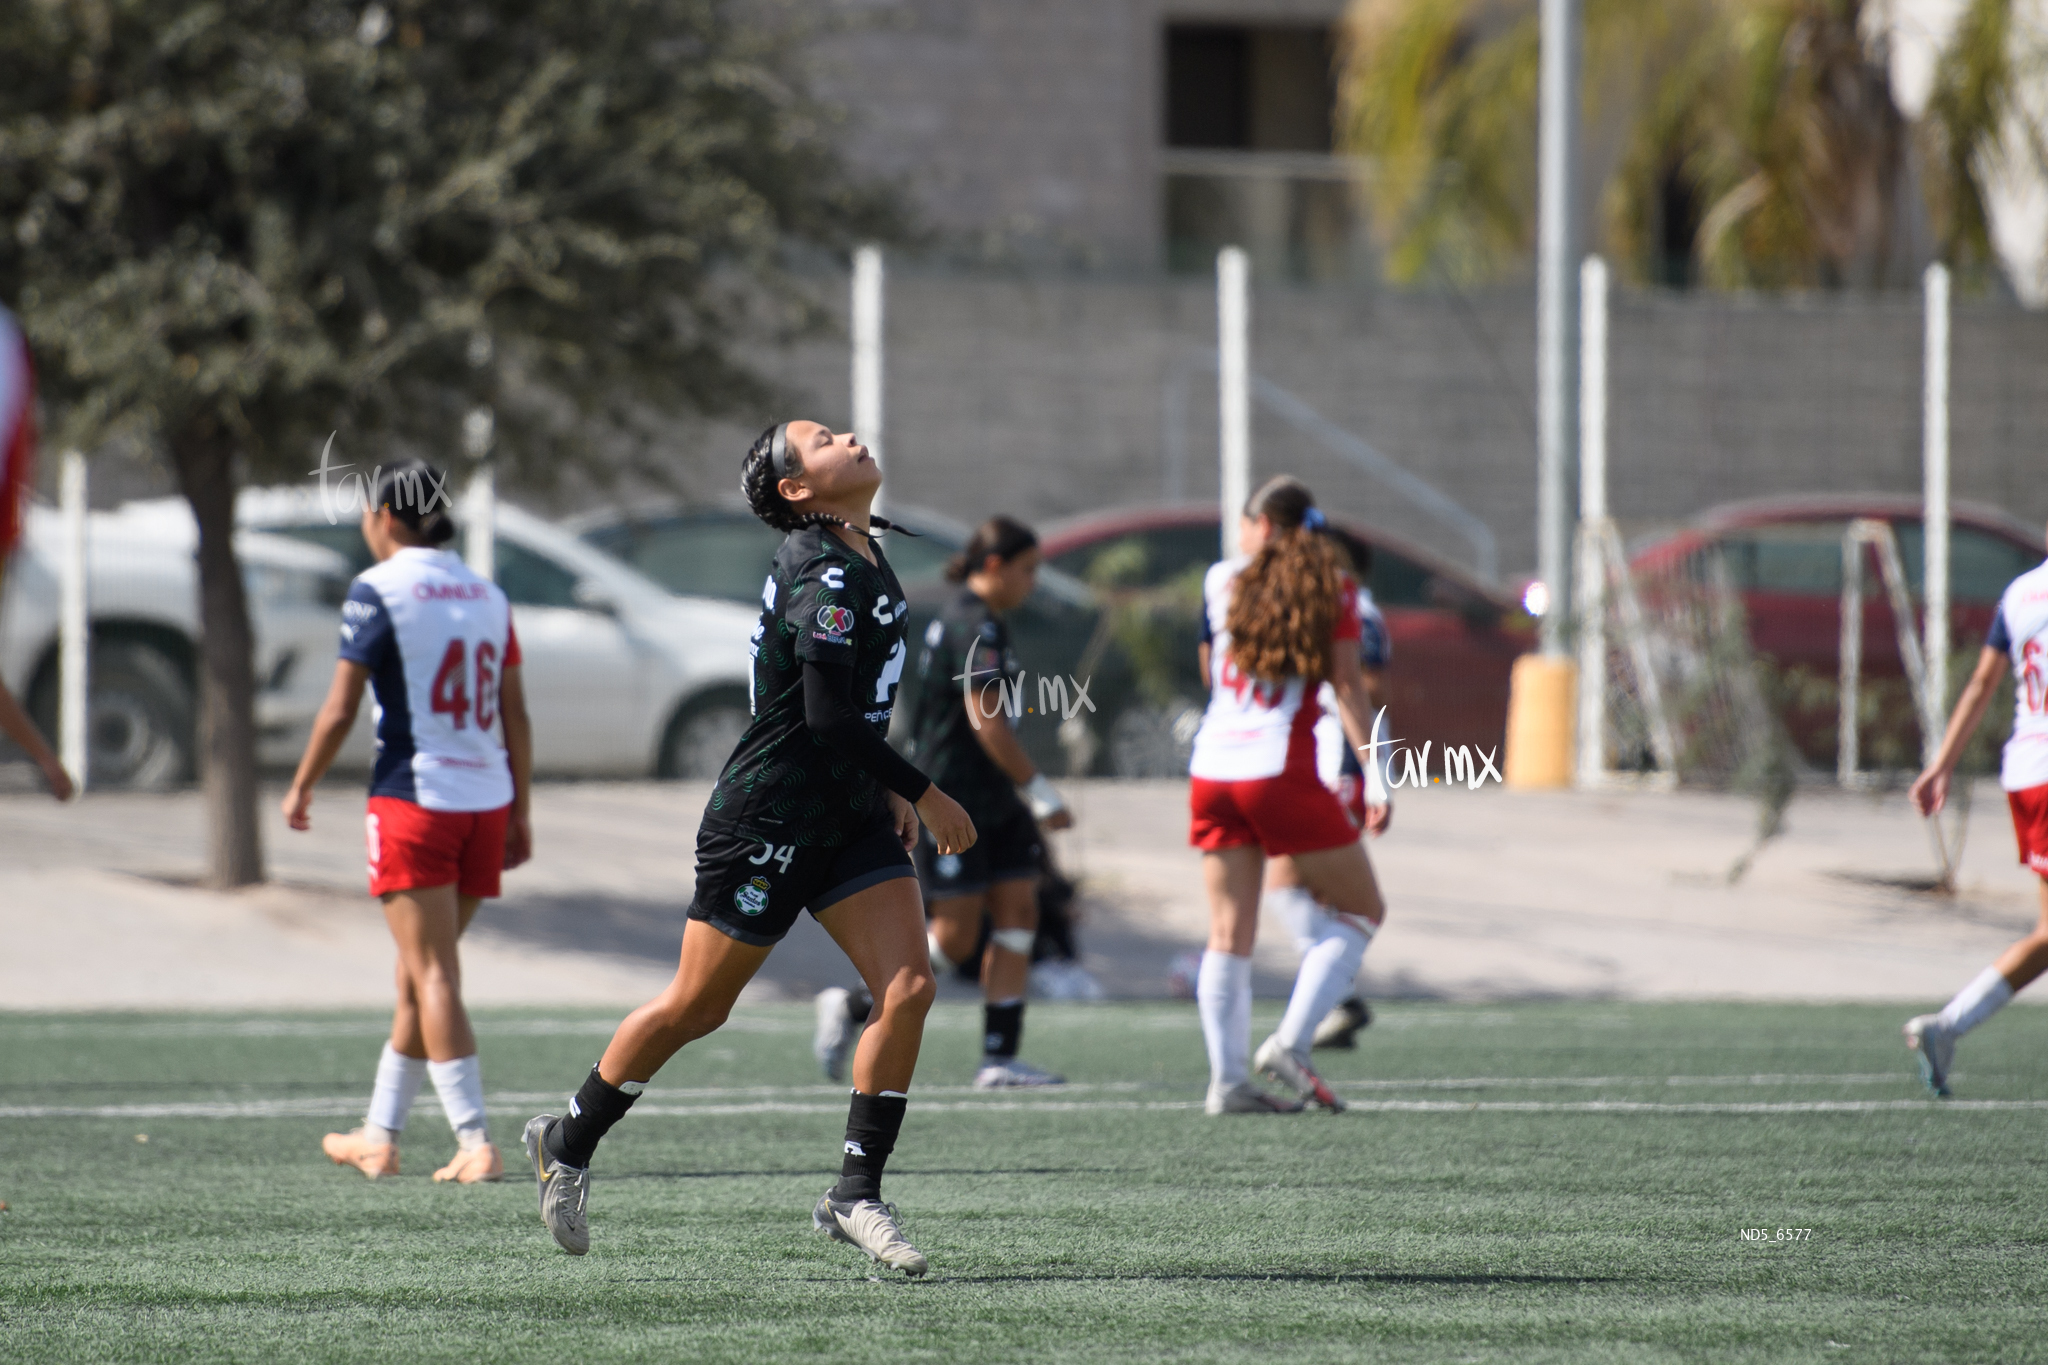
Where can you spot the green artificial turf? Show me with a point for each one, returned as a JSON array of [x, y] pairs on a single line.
[[1525, 1182]]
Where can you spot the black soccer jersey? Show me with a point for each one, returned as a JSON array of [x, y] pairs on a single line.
[[823, 602], [943, 743]]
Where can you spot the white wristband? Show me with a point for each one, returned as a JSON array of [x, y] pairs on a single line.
[[1044, 800]]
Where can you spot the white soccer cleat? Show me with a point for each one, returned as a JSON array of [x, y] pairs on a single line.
[[870, 1225], [1010, 1073], [1295, 1072], [564, 1190], [836, 1034], [1936, 1047], [1064, 979], [1246, 1098]]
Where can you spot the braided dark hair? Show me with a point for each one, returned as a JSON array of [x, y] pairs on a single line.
[[759, 482]]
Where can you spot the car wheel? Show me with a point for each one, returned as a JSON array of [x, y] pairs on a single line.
[[703, 735], [139, 720], [1154, 741]]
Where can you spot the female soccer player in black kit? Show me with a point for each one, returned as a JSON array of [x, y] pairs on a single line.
[[813, 811], [964, 738]]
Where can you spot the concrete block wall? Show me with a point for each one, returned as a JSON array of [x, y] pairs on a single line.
[[1045, 397]]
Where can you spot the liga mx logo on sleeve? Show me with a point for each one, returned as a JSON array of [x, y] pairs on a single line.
[[834, 624]]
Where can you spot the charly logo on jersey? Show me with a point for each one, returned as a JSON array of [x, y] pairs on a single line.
[[752, 898], [837, 620]]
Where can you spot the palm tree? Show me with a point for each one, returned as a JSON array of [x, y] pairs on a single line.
[[1749, 143], [1980, 127]]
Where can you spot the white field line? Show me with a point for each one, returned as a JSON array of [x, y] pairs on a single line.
[[765, 1101]]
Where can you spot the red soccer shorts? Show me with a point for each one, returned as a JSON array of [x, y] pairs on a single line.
[[1291, 813], [412, 848], [2030, 823]]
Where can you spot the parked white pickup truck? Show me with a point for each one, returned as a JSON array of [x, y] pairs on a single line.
[[622, 677]]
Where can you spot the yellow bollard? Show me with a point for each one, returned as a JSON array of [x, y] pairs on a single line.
[[1540, 723]]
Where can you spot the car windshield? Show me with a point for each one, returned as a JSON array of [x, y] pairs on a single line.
[[1166, 554], [727, 555], [528, 578]]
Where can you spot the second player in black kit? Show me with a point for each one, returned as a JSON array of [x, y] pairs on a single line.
[[967, 687], [813, 811]]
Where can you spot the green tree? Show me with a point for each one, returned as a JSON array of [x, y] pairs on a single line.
[[232, 226], [1759, 145], [1979, 124]]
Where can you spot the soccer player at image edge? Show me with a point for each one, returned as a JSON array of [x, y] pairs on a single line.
[[965, 659], [813, 811], [448, 802], [17, 467], [2018, 641], [1280, 619]]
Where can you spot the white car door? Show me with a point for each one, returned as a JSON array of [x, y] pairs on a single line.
[[583, 674]]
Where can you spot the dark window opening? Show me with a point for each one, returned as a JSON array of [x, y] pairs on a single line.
[[1238, 88], [1678, 226]]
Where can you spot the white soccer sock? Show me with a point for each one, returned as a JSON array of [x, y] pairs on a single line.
[[1327, 969], [1302, 913], [460, 1084], [1223, 993], [1976, 1002], [398, 1083]]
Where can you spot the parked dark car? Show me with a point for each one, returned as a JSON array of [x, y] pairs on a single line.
[[1455, 638], [724, 551], [1784, 558]]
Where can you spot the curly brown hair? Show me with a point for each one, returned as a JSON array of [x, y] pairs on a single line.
[[1284, 603]]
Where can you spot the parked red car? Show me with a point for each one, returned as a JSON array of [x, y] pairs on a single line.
[[1455, 638], [1784, 557]]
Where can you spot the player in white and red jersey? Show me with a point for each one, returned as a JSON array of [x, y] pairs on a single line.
[[17, 465], [1279, 620], [448, 800], [2018, 641]]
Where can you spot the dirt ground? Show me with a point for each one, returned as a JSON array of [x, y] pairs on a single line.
[[1493, 895]]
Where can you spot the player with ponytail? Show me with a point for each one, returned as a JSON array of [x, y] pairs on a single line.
[[1279, 621], [448, 800], [813, 811]]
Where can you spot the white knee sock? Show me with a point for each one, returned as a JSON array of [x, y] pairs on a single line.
[[1327, 969], [460, 1084], [398, 1083], [1302, 913], [1976, 1002], [1223, 992]]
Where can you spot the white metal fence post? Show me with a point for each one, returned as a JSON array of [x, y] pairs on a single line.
[[868, 356], [1557, 134], [1233, 387], [1589, 577], [74, 638], [480, 513], [1934, 516]]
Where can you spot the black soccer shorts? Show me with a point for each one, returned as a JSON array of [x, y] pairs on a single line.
[[1007, 848], [751, 889]]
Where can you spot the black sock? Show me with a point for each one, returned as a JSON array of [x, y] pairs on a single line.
[[859, 1004], [597, 1106], [1002, 1029], [872, 1122]]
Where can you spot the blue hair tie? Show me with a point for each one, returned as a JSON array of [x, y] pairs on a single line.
[[1313, 519]]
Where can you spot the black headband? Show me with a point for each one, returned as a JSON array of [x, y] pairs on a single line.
[[778, 451]]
